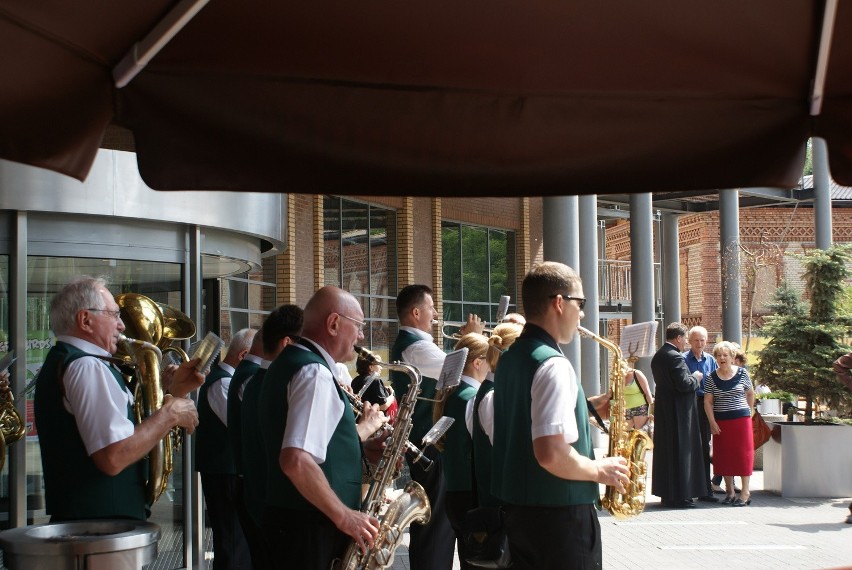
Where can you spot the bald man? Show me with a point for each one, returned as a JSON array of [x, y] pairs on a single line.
[[313, 445]]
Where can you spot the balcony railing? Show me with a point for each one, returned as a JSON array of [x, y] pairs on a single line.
[[614, 283]]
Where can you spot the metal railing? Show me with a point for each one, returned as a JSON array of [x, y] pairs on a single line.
[[614, 283]]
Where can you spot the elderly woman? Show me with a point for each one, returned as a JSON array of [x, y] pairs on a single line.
[[729, 403]]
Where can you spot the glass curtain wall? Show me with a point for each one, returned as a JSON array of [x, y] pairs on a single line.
[[246, 299], [478, 268], [162, 282], [360, 245]]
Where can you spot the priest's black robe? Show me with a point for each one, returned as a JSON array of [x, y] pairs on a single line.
[[678, 465]]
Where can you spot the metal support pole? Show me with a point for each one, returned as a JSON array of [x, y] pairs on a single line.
[[822, 194], [729, 235], [562, 244]]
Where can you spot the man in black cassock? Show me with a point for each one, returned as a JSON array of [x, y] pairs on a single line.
[[678, 466]]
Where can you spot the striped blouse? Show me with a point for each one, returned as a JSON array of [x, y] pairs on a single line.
[[729, 396]]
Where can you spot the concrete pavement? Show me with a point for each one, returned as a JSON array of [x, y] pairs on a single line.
[[773, 533]]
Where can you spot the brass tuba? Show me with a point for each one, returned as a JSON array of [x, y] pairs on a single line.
[[147, 327], [630, 445], [411, 506], [12, 425]]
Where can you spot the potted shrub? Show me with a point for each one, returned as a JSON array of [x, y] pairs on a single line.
[[776, 403], [810, 458]]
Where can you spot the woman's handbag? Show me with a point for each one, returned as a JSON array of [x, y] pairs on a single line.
[[485, 538], [760, 429]]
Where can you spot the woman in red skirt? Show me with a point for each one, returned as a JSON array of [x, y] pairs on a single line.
[[729, 403]]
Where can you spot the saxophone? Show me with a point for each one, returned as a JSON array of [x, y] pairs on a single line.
[[630, 445], [411, 506]]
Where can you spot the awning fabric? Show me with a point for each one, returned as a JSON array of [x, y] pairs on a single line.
[[477, 98]]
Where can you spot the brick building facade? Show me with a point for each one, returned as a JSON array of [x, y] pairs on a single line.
[[767, 236]]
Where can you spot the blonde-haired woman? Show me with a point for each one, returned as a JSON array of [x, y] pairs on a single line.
[[483, 411], [729, 403], [458, 443]]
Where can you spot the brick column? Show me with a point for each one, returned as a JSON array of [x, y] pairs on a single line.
[[285, 265], [319, 244], [405, 247], [437, 265], [522, 251]]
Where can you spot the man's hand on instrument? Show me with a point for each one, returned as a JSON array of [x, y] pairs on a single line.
[[183, 412], [613, 471], [361, 527], [473, 325], [372, 420], [181, 380]]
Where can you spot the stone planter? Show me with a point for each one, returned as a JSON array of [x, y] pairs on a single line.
[[769, 407], [802, 460]]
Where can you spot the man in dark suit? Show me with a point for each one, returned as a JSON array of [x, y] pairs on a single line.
[[678, 463]]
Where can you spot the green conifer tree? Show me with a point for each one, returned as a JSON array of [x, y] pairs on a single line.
[[804, 343]]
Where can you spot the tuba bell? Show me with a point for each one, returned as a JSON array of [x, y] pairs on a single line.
[[12, 425], [149, 330]]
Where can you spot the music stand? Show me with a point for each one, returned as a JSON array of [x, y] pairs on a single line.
[[452, 370], [638, 340]]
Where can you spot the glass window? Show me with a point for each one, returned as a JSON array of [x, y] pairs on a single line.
[[246, 299], [162, 282], [478, 268], [360, 257]]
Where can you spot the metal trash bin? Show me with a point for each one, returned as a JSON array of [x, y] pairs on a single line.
[[81, 545]]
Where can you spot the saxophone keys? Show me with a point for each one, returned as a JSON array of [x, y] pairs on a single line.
[[384, 557]]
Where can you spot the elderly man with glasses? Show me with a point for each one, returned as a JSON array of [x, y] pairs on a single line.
[[311, 441], [92, 449]]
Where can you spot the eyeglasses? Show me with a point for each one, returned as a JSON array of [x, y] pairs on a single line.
[[581, 302], [361, 324], [114, 314]]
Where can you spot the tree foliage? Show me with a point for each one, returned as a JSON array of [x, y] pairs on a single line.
[[806, 340]]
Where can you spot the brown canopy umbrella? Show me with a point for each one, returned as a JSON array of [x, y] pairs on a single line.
[[505, 97]]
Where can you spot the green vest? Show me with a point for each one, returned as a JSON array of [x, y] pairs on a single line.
[[212, 449], [458, 446], [482, 452], [254, 452], [421, 417], [518, 479], [244, 370], [74, 487], [342, 465]]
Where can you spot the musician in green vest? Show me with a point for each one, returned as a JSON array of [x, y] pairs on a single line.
[[432, 544], [214, 458], [313, 445], [92, 451], [543, 463], [458, 443], [282, 327]]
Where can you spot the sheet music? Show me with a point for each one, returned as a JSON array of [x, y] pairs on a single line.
[[451, 372], [639, 340]]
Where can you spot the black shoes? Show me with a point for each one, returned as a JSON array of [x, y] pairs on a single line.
[[709, 499], [682, 504]]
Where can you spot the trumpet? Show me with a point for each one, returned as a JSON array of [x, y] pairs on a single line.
[[458, 325]]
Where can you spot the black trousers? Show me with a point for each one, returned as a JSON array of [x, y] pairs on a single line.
[[260, 556], [306, 540], [554, 538], [704, 426], [458, 503], [230, 549], [432, 545]]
